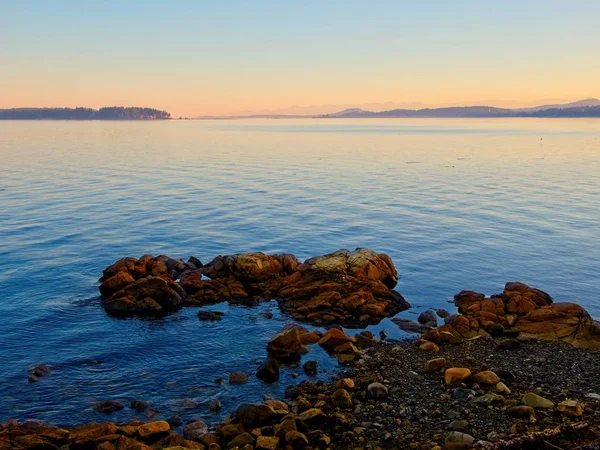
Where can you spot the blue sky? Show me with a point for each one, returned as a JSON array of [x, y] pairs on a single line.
[[196, 57]]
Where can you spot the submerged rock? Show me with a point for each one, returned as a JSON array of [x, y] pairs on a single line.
[[108, 406], [268, 371]]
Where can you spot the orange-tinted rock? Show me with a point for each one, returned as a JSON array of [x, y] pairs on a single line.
[[153, 431], [287, 345], [343, 287], [333, 338], [562, 321], [260, 274], [149, 295], [456, 375], [531, 311]]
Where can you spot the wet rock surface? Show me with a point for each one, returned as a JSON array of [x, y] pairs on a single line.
[[520, 309], [344, 287]]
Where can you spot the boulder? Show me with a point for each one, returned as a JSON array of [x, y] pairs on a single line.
[[149, 295], [519, 310], [342, 287], [153, 431], [334, 338], [268, 371], [427, 318], [195, 430], [287, 345]]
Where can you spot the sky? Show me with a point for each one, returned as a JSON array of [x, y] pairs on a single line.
[[194, 57]]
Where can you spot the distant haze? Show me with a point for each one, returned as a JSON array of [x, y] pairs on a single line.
[[263, 57]]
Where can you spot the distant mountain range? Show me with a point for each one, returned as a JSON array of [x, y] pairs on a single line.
[[584, 108]]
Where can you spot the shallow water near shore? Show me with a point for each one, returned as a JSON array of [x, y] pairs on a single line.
[[457, 204]]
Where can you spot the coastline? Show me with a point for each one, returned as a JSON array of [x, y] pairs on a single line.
[[491, 376]]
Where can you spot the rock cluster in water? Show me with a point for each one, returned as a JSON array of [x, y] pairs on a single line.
[[520, 309], [347, 287]]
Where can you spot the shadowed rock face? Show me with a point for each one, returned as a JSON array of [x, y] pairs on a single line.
[[342, 287], [142, 286], [530, 311]]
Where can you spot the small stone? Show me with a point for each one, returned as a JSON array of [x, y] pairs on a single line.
[[487, 377], [536, 401], [457, 436], [458, 425], [108, 406], [456, 376], [463, 394], [193, 431], [231, 430], [241, 440], [495, 330], [377, 390], [139, 405], [174, 421], [215, 405], [341, 398], [571, 408], [296, 439], [268, 371], [593, 396], [310, 367], [311, 414], [210, 315], [442, 313], [238, 378], [502, 388], [521, 412], [510, 344], [429, 346], [153, 430], [434, 365], [345, 383], [267, 442], [427, 318]]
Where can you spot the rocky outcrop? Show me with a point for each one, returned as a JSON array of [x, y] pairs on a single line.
[[142, 286], [345, 287], [348, 287], [520, 309]]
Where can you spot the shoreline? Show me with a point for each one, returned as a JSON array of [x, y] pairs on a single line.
[[492, 375], [415, 408]]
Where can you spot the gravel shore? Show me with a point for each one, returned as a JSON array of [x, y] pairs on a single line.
[[422, 411]]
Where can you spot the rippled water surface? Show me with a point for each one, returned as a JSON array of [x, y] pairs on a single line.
[[456, 204]]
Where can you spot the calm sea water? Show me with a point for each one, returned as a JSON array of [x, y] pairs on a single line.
[[457, 204]]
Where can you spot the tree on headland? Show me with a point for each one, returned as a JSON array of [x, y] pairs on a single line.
[[106, 113]]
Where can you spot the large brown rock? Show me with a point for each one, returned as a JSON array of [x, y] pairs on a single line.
[[142, 286], [260, 274], [149, 295], [349, 287], [562, 321], [287, 345], [528, 310]]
